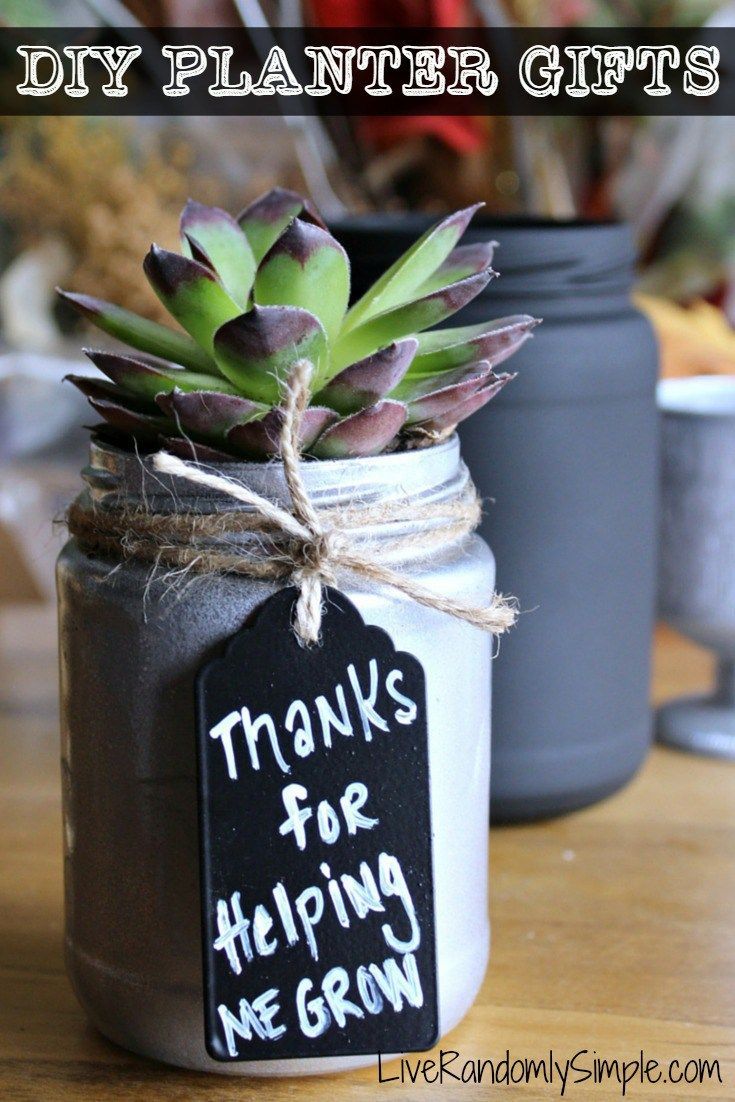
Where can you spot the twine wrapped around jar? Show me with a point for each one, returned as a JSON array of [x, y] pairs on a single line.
[[306, 546]]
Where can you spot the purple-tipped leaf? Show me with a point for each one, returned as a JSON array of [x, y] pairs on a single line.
[[306, 267], [195, 451], [129, 420], [267, 217], [364, 383], [146, 380], [494, 341], [412, 317], [211, 233], [262, 439], [102, 389], [438, 401], [208, 414], [190, 292], [403, 279], [368, 432], [465, 409], [146, 336], [464, 261], [257, 350], [412, 387]]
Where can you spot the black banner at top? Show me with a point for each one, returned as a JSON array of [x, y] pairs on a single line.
[[367, 71]]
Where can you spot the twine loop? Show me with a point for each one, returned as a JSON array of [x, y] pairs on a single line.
[[308, 546]]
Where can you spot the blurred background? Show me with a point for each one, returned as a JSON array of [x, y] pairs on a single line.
[[82, 198]]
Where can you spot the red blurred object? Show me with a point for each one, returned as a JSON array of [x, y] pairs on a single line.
[[461, 133], [391, 13]]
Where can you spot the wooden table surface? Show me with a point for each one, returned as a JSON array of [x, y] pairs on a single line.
[[613, 929]]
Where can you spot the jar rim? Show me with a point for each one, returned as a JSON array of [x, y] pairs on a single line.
[[114, 475], [698, 396], [418, 220]]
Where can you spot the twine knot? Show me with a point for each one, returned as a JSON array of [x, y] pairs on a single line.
[[314, 562], [317, 555]]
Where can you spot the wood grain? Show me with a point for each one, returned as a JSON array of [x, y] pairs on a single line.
[[613, 928]]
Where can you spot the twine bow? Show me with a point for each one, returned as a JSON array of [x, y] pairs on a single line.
[[316, 551]]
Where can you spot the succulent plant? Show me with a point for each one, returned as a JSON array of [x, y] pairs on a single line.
[[254, 294]]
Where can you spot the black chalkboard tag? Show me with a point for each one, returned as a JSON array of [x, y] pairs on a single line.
[[315, 827]]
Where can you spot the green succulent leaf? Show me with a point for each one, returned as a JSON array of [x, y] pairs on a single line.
[[493, 341], [266, 218], [261, 439], [400, 282], [464, 261], [139, 333], [412, 317], [307, 268], [364, 383], [464, 409], [209, 414], [440, 399], [257, 350], [412, 387], [190, 292], [212, 236], [147, 380], [129, 420], [368, 432]]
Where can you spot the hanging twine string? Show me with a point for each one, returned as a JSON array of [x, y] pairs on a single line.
[[311, 545]]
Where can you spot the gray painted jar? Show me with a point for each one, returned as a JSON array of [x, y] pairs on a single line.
[[129, 653], [567, 459]]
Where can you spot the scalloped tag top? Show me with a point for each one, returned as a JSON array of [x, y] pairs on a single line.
[[315, 830]]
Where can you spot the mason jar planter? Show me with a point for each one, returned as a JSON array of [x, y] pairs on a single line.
[[130, 647], [566, 458]]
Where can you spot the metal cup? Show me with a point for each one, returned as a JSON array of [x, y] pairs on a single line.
[[697, 568]]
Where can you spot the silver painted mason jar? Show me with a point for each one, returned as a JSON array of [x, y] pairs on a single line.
[[131, 644]]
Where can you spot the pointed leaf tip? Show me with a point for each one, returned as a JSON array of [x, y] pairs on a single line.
[[209, 414], [93, 388], [465, 260], [85, 304], [215, 239], [170, 272], [403, 280], [411, 317], [190, 292], [257, 350], [265, 219], [464, 409], [129, 420], [441, 399], [368, 432], [308, 268], [148, 379], [261, 439], [364, 383], [140, 333], [495, 341], [195, 451]]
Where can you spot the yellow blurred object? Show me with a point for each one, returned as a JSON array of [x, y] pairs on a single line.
[[17, 584], [694, 340], [79, 180]]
